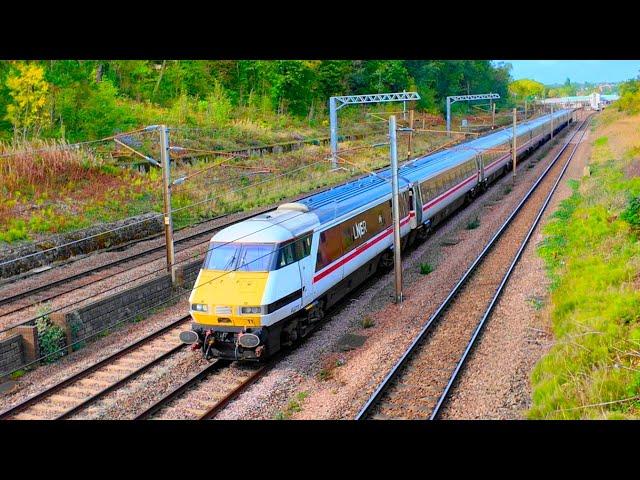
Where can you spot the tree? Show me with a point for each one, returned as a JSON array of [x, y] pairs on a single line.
[[526, 88], [28, 89]]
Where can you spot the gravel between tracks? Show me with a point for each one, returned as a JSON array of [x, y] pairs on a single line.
[[339, 382], [495, 382]]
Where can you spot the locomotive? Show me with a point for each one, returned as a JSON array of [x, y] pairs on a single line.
[[266, 280]]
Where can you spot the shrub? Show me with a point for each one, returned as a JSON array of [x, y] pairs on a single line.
[[631, 214], [51, 337]]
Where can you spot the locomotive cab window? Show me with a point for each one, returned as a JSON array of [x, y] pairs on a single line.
[[293, 251], [247, 257], [286, 255]]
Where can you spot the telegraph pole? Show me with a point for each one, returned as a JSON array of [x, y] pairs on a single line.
[[493, 116], [551, 122], [404, 107], [410, 133], [333, 120], [397, 260], [166, 195], [513, 146]]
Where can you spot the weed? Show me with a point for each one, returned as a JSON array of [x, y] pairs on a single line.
[[294, 406], [508, 189], [325, 374], [601, 141], [17, 374], [426, 268], [367, 322], [473, 224], [535, 302]]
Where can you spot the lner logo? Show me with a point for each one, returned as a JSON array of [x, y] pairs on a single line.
[[359, 229]]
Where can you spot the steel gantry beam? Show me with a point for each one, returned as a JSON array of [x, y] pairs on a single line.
[[458, 98], [336, 103]]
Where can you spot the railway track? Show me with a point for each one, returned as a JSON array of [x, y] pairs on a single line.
[[69, 284], [205, 393], [418, 385], [81, 390]]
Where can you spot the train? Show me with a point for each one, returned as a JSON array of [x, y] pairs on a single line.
[[268, 280]]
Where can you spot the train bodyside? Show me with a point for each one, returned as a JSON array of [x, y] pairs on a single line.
[[312, 253]]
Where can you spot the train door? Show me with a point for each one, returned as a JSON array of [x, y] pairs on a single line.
[[307, 264], [416, 196], [480, 167]]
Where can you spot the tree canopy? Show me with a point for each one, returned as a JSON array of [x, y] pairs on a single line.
[[526, 88], [86, 98]]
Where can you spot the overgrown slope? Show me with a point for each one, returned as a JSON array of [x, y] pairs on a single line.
[[592, 253]]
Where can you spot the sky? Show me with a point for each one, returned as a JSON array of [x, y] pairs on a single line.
[[557, 71]]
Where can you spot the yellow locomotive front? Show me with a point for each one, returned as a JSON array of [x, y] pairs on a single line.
[[249, 282]]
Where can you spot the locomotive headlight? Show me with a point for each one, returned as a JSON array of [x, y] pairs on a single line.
[[250, 310], [199, 307]]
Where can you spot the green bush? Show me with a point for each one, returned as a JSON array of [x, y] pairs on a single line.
[[51, 338], [631, 214]]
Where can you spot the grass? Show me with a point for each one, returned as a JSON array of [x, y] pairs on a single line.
[[535, 302], [294, 406], [325, 374], [17, 374], [473, 224], [367, 322], [592, 255], [508, 189], [426, 268], [48, 189]]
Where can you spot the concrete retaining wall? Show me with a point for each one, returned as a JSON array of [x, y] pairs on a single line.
[[52, 250], [97, 316], [191, 273], [140, 300]]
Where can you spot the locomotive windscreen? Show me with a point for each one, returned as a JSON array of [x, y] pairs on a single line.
[[245, 257]]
